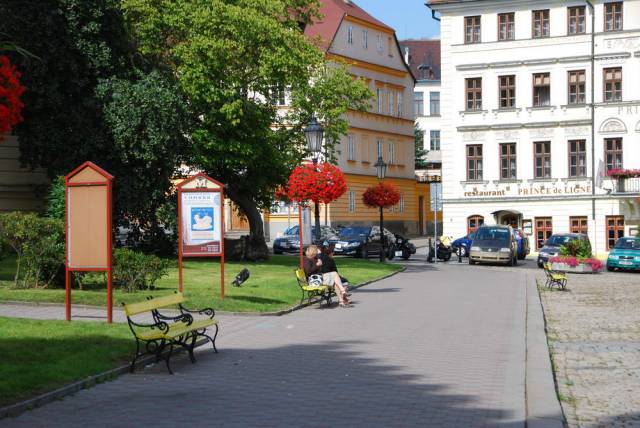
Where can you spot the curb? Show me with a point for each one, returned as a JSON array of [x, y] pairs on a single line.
[[16, 409], [541, 397]]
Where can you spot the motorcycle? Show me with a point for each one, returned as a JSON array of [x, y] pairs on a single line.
[[401, 248], [442, 249]]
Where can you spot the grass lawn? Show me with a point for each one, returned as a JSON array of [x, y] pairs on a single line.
[[39, 356], [271, 287]]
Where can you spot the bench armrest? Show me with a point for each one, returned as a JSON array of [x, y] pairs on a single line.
[[185, 318], [160, 325], [209, 312]]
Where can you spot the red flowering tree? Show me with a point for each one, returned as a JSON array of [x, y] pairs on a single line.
[[10, 92], [382, 195], [323, 183]]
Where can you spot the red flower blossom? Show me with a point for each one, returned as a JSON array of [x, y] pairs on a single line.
[[383, 195], [10, 93], [322, 183], [623, 173], [596, 265]]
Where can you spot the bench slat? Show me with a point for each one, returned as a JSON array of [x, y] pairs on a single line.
[[149, 305]]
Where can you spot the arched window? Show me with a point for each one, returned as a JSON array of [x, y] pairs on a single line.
[[474, 222]]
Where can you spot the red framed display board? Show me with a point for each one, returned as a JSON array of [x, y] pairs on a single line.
[[201, 222], [88, 191]]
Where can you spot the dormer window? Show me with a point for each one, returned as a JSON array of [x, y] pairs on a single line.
[[350, 35], [365, 38]]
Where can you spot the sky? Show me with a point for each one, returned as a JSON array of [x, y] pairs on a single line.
[[410, 18]]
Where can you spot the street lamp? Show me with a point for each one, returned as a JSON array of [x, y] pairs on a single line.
[[381, 168], [314, 133]]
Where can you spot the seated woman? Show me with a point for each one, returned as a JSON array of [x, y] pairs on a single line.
[[330, 275], [313, 266]]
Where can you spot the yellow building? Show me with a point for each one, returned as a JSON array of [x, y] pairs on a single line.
[[351, 35]]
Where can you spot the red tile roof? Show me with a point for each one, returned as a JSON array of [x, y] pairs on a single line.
[[424, 58]]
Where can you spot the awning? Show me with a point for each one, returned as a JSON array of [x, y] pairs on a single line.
[[503, 212]]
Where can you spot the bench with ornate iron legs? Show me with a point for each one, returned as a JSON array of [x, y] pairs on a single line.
[[556, 278], [324, 292], [167, 331]]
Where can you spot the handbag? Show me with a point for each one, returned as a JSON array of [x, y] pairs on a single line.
[[315, 281]]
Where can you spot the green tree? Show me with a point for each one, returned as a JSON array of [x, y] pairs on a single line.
[[421, 153], [233, 59]]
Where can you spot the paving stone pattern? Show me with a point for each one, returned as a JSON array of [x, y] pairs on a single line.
[[431, 347], [594, 332]]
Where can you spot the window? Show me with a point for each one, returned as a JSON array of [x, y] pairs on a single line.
[[507, 91], [506, 26], [391, 102], [541, 89], [474, 222], [613, 16], [508, 170], [350, 35], [434, 103], [390, 46], [474, 162], [544, 230], [615, 229], [577, 87], [613, 153], [613, 84], [399, 97], [472, 29], [575, 20], [401, 202], [379, 43], [365, 38], [542, 159], [280, 207], [391, 153], [474, 93], [379, 99], [540, 24], [351, 147], [577, 158], [434, 140], [578, 225], [380, 148], [278, 95], [418, 103], [352, 201]]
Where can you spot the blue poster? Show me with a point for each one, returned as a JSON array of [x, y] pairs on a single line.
[[202, 219]]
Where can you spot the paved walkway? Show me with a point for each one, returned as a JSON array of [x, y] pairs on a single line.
[[434, 346]]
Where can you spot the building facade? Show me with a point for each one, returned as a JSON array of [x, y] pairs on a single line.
[[370, 48], [530, 129], [21, 189]]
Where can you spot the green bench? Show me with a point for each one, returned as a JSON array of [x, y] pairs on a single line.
[[324, 292], [167, 331]]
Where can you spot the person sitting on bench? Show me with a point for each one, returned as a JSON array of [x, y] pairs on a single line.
[[330, 274]]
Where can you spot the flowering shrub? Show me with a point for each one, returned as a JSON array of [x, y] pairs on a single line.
[[10, 93], [383, 195], [322, 183], [596, 265], [623, 173]]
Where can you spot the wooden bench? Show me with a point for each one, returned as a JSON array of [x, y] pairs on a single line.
[[166, 331], [324, 292], [556, 278]]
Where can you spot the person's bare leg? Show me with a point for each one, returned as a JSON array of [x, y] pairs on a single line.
[[337, 282]]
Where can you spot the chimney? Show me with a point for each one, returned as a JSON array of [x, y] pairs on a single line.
[[406, 54]]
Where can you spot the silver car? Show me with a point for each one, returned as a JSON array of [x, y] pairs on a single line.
[[494, 244]]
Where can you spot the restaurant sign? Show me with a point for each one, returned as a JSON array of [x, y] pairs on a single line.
[[530, 190]]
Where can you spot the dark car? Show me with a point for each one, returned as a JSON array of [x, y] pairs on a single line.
[[494, 244], [289, 242], [551, 248], [463, 244], [523, 243], [361, 241]]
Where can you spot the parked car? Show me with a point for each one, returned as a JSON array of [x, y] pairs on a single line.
[[523, 244], [625, 254], [494, 244], [463, 244], [289, 242], [551, 248], [361, 241]]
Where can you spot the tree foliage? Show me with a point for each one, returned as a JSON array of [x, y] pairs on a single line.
[[421, 153]]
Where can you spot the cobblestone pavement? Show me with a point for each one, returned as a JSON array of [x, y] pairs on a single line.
[[594, 335], [434, 346]]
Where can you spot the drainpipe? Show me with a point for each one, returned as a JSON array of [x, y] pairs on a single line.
[[593, 117]]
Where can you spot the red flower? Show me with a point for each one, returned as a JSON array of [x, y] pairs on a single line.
[[623, 173], [383, 195], [10, 93], [322, 183]]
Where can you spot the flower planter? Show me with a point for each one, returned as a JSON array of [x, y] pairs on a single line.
[[580, 268]]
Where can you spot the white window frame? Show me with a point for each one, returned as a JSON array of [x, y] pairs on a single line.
[[350, 147], [350, 35], [390, 101], [379, 94], [365, 38], [399, 97], [352, 201], [380, 148], [380, 45], [391, 152], [401, 202]]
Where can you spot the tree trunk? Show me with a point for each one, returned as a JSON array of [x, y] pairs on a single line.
[[255, 247]]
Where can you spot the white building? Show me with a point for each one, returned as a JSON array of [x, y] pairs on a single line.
[[423, 57], [517, 123]]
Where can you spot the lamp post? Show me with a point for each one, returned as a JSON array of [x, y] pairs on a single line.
[[314, 133], [381, 168]]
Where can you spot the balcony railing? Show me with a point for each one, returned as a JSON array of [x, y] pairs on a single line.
[[627, 185]]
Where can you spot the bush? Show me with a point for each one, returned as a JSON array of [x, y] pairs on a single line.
[[577, 248], [39, 247], [133, 270], [56, 199]]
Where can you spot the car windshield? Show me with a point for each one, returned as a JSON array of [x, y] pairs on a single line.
[[559, 240], [354, 232], [628, 243], [492, 233], [293, 230]]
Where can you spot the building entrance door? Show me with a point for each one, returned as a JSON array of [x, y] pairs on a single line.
[[509, 218]]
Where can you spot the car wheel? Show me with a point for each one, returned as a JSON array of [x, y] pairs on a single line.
[[464, 252], [447, 257], [364, 253], [472, 262], [610, 268]]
